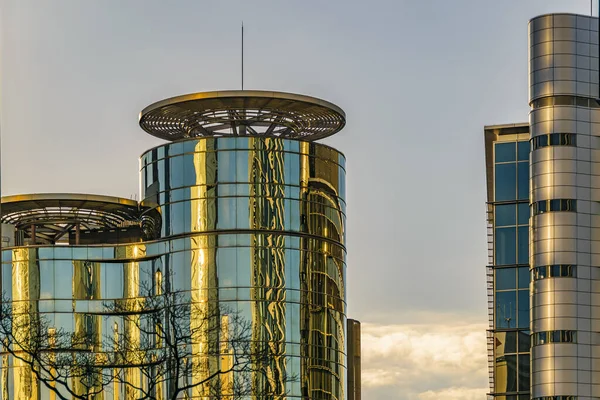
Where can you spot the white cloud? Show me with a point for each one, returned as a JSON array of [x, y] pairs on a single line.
[[444, 359]]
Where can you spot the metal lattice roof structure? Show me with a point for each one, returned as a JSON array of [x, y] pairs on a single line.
[[242, 113], [54, 214]]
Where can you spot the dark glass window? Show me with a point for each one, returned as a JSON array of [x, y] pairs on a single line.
[[505, 278], [553, 139], [510, 346], [543, 206], [522, 151], [505, 152], [524, 372], [523, 213], [506, 180], [523, 317], [553, 271], [506, 215], [559, 336], [523, 245], [523, 180], [523, 277], [506, 309], [505, 246]]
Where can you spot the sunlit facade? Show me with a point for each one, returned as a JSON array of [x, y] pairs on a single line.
[[562, 289], [241, 210], [507, 170]]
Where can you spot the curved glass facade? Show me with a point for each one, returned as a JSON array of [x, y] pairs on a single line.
[[253, 225]]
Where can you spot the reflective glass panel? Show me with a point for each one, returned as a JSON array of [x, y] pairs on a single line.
[[523, 180], [506, 309], [523, 277], [523, 371], [506, 215], [523, 250], [505, 278], [523, 213], [523, 151], [523, 321], [505, 152], [505, 246], [505, 182]]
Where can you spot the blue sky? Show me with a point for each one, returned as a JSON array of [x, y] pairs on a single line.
[[418, 79]]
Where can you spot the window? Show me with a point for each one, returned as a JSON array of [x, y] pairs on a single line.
[[565, 101], [560, 336], [553, 271], [511, 235], [511, 287], [553, 139], [511, 171], [540, 207], [511, 361]]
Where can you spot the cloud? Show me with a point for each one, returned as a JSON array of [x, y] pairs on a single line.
[[445, 359]]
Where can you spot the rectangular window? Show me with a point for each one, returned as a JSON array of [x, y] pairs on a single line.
[[523, 180], [523, 151], [523, 278], [523, 213], [505, 215], [506, 182], [505, 246], [506, 309], [523, 247], [505, 152], [523, 317], [505, 278]]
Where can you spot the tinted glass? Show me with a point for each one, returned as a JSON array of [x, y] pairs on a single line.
[[523, 277], [523, 371], [506, 214], [523, 151], [506, 309], [505, 246], [506, 177], [524, 341], [523, 250], [505, 152], [506, 278], [523, 318], [523, 180], [523, 213]]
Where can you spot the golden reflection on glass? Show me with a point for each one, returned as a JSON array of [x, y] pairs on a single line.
[[266, 176], [204, 318], [321, 313], [227, 358], [5, 368], [88, 327], [116, 385], [52, 344], [25, 293], [131, 325]]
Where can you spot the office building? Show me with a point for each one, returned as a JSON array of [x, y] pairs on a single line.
[[241, 217], [564, 223]]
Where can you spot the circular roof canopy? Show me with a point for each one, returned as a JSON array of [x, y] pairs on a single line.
[[52, 213], [241, 113]]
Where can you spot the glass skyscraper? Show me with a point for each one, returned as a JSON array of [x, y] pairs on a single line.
[[241, 214], [507, 167], [550, 349]]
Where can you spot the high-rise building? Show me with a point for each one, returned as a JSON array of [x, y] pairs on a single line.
[[507, 173], [564, 223], [241, 220]]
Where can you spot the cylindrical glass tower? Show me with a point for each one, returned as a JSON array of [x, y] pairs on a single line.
[[242, 216]]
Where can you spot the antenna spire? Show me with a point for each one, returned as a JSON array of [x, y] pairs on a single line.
[[242, 55]]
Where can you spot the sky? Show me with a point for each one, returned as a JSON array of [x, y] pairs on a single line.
[[418, 80]]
